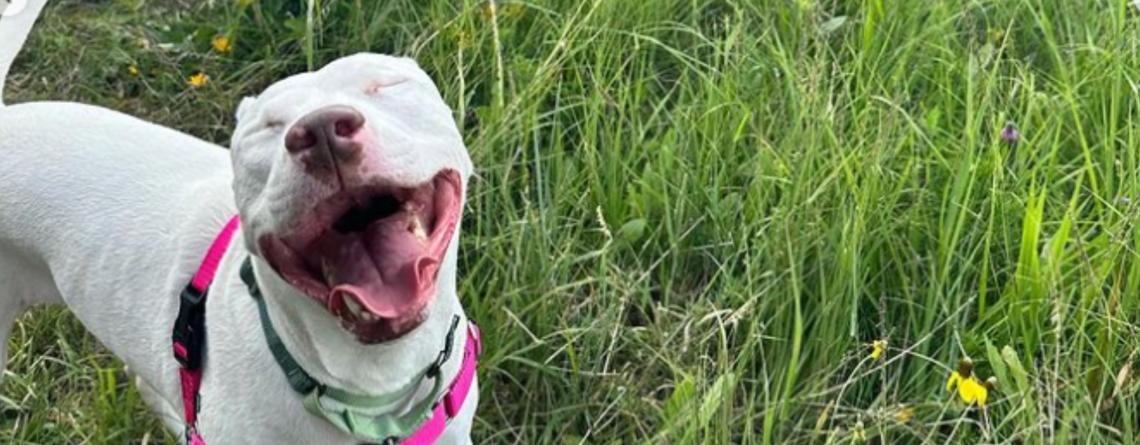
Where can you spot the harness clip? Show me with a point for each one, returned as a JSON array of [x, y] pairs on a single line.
[[189, 328]]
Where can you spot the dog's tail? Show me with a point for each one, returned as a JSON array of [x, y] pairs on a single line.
[[16, 20]]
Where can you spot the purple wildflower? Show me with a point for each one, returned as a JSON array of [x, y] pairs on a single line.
[[1009, 133]]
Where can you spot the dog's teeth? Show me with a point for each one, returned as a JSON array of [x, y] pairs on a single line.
[[367, 316], [355, 308]]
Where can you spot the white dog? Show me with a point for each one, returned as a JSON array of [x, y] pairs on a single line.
[[349, 182]]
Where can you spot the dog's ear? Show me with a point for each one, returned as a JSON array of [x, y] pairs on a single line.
[[245, 107]]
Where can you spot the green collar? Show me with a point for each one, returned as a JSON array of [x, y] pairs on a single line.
[[365, 417]]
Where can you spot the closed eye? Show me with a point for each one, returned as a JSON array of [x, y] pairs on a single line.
[[267, 127], [375, 88]]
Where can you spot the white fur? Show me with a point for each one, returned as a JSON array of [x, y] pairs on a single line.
[[14, 29], [111, 215]]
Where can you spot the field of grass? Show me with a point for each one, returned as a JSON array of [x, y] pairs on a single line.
[[693, 218]]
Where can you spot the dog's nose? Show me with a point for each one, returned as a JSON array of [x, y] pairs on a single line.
[[330, 128]]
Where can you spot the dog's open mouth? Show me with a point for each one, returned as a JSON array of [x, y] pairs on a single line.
[[371, 254]]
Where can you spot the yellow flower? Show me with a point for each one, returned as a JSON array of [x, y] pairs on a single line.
[[223, 45], [964, 371], [953, 380], [877, 349], [198, 80], [970, 389], [133, 70]]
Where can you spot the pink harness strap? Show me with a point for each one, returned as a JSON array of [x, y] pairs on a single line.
[[209, 267], [452, 402], [189, 329]]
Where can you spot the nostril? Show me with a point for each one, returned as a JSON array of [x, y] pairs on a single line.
[[299, 139], [346, 128], [348, 123]]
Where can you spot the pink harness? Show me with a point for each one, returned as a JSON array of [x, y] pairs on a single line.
[[189, 349]]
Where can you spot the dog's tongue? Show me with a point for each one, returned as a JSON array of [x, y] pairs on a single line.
[[399, 298], [385, 270]]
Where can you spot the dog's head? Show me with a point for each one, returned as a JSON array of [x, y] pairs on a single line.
[[350, 183]]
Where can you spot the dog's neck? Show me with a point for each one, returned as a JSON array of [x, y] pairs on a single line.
[[334, 357]]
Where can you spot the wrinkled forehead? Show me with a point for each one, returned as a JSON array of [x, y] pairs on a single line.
[[352, 72], [372, 66]]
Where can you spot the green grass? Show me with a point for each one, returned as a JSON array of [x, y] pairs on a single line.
[[692, 217]]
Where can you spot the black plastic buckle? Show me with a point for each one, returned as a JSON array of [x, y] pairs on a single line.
[[189, 327]]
